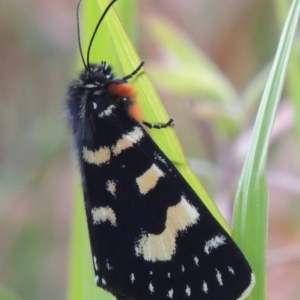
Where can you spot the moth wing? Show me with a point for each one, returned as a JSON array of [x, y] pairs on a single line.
[[151, 234]]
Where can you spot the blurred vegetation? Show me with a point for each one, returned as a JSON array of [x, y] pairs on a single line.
[[214, 119]]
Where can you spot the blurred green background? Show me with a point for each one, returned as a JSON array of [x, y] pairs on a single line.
[[214, 118]]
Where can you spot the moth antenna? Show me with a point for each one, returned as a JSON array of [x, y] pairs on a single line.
[[134, 72], [78, 34], [96, 29]]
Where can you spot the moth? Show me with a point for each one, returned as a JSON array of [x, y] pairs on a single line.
[[151, 236]]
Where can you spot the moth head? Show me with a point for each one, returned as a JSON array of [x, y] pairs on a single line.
[[97, 74]]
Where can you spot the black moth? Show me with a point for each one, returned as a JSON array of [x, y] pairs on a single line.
[[151, 236]]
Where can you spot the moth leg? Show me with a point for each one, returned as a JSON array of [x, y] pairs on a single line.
[[170, 123]]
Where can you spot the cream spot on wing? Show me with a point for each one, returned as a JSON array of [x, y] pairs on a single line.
[[188, 290], [97, 157], [148, 180], [204, 287], [248, 290], [170, 293], [107, 112], [128, 140], [219, 277], [102, 214], [111, 186], [162, 246], [214, 243]]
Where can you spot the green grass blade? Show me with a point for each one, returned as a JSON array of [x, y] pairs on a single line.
[[152, 108], [251, 209], [129, 21], [293, 75]]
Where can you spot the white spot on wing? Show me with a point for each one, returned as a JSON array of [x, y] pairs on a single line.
[[219, 277], [204, 287], [98, 157], [248, 290], [188, 290], [108, 266], [159, 157], [97, 279], [214, 243], [95, 263], [162, 246], [148, 180], [132, 278], [196, 259], [90, 86], [182, 268], [103, 214], [169, 275], [151, 287], [170, 293], [230, 270], [94, 105], [128, 140], [107, 112], [103, 282]]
